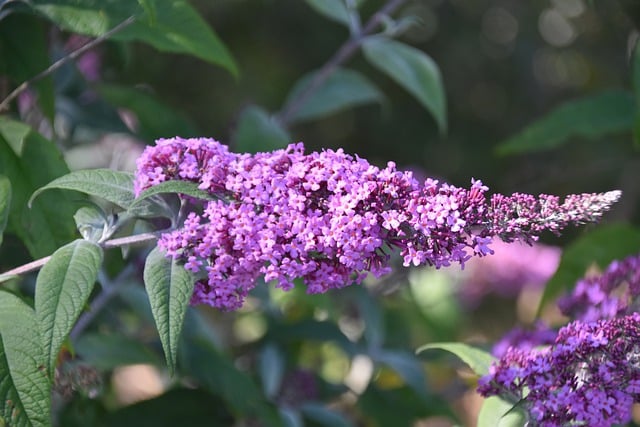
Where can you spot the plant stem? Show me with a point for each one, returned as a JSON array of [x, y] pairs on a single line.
[[113, 243], [346, 51], [4, 105]]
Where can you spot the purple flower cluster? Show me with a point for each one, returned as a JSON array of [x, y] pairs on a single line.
[[330, 218], [590, 375], [512, 268], [525, 339], [607, 295]]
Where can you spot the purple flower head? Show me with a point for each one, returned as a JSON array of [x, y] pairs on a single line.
[[603, 296], [330, 218], [525, 339], [589, 376]]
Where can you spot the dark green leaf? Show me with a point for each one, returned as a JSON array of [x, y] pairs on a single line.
[[342, 90], [63, 287], [5, 203], [154, 119], [177, 407], [600, 247], [23, 50], [496, 412], [412, 69], [30, 161], [177, 187], [108, 351], [478, 360], [271, 369], [336, 10], [217, 374], [407, 366], [174, 27], [590, 117], [372, 317], [25, 389], [257, 131], [113, 186], [170, 287], [324, 416]]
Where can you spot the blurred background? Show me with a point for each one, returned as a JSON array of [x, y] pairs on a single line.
[[504, 64]]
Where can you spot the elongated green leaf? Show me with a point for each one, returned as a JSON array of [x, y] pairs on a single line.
[[217, 374], [336, 10], [271, 368], [257, 131], [174, 26], [63, 287], [343, 89], [496, 412], [170, 287], [590, 117], [24, 387], [113, 186], [600, 247], [155, 119], [30, 161], [407, 366], [5, 203], [412, 69], [24, 53], [177, 187], [478, 360]]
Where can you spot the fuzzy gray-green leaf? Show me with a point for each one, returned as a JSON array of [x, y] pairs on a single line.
[[169, 287], [63, 287], [113, 186], [25, 390]]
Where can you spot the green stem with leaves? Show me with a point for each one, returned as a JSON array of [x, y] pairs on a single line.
[[344, 53]]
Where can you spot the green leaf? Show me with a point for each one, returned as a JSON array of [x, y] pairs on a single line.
[[5, 203], [271, 368], [178, 187], [342, 90], [155, 119], [336, 10], [113, 186], [407, 366], [478, 360], [91, 223], [24, 52], [25, 390], [174, 26], [496, 412], [590, 117], [63, 288], [412, 69], [30, 161], [200, 359], [170, 287], [600, 246], [257, 131], [108, 351]]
